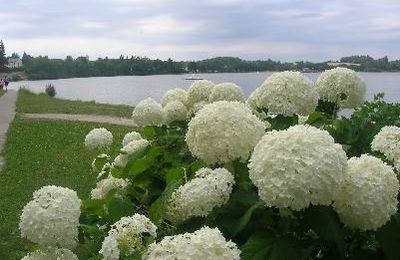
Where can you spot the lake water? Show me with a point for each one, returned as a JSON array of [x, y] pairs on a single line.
[[130, 90]]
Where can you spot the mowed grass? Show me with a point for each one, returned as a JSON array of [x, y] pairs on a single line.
[[29, 102], [39, 153]]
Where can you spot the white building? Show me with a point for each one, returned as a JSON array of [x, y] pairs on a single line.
[[14, 63]]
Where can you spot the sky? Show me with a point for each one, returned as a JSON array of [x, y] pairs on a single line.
[[314, 30]]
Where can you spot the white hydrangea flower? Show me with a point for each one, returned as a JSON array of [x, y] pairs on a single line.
[[109, 248], [104, 186], [223, 131], [368, 196], [101, 156], [121, 160], [205, 243], [285, 93], [148, 112], [387, 141], [196, 108], [175, 111], [341, 86], [176, 94], [298, 166], [227, 91], [98, 138], [198, 197], [52, 217], [200, 90], [126, 236], [51, 254], [131, 136], [135, 146]]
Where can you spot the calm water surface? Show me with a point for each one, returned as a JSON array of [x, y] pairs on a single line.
[[130, 90]]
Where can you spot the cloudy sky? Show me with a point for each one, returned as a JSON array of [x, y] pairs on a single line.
[[285, 30]]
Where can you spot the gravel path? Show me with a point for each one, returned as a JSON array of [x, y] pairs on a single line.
[[7, 113], [85, 118]]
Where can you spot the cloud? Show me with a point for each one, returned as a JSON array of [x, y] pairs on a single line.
[[279, 29]]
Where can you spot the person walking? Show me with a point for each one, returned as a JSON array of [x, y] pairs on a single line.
[[1, 84], [6, 82]]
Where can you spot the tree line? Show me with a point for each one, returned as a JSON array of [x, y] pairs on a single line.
[[43, 67]]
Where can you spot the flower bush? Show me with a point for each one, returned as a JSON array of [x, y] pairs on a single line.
[[199, 91], [230, 180], [387, 141], [286, 93], [176, 94], [148, 112], [226, 91], [297, 167], [223, 131], [98, 138], [341, 86], [368, 196]]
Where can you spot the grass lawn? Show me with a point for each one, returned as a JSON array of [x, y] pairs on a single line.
[[39, 153], [29, 102]]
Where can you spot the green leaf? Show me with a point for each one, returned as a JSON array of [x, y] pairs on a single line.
[[317, 119], [244, 220], [258, 246], [389, 237], [99, 162], [281, 122], [118, 208], [158, 207], [149, 132], [174, 174], [93, 207], [286, 248], [325, 222]]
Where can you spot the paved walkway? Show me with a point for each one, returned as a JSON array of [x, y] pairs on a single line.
[[7, 113], [85, 118]]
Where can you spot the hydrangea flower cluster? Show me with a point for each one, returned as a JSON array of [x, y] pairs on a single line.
[[226, 91], [148, 112], [51, 254], [205, 243], [196, 108], [199, 91], [368, 196], [223, 131], [98, 138], [387, 141], [104, 186], [131, 136], [175, 111], [53, 211], [176, 94], [285, 93], [341, 86], [135, 146], [198, 197], [126, 236], [298, 166]]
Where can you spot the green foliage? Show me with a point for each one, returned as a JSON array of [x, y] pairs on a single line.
[[29, 102], [50, 90], [260, 232], [358, 131]]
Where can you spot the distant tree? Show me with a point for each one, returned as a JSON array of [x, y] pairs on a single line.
[[15, 55], [3, 59]]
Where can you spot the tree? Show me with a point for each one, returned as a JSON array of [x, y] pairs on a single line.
[[3, 60]]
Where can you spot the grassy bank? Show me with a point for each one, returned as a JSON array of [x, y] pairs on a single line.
[[39, 153], [29, 102]]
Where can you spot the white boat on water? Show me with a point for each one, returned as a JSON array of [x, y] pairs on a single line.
[[193, 77]]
